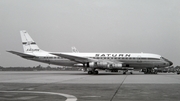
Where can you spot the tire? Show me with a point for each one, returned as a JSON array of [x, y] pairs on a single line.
[[89, 72], [96, 72]]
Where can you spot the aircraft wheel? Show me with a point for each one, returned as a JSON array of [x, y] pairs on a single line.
[[95, 72], [90, 72], [124, 72], [131, 72]]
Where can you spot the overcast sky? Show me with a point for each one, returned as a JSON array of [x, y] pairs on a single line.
[[149, 26]]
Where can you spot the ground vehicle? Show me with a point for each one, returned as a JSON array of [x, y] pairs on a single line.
[[178, 71], [149, 71]]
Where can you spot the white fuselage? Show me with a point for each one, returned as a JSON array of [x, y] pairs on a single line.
[[136, 60]]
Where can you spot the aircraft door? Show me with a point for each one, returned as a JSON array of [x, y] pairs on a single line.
[[139, 58]]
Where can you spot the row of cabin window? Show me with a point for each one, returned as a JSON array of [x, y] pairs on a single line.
[[113, 58], [106, 58], [124, 58]]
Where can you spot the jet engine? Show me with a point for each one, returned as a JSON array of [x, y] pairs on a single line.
[[104, 65], [115, 65], [98, 64]]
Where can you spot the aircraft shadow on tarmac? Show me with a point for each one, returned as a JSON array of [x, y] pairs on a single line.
[[114, 74], [85, 73]]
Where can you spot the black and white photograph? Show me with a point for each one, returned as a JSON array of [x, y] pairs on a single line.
[[89, 50]]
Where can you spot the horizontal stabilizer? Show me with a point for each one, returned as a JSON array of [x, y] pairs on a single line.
[[21, 54]]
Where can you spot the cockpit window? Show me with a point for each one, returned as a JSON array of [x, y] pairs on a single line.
[[164, 59]]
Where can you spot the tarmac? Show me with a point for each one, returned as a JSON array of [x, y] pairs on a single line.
[[79, 86]]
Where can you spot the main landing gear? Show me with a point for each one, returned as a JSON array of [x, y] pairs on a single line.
[[93, 71], [125, 71]]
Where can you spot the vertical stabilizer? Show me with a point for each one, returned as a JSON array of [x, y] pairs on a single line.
[[29, 44], [74, 50]]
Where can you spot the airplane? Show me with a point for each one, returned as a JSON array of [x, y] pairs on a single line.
[[91, 61]]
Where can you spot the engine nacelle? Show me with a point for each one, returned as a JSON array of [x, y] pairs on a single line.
[[117, 65], [114, 66], [98, 64], [104, 65], [78, 65]]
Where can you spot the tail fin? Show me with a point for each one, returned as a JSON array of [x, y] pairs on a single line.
[[74, 50], [29, 44]]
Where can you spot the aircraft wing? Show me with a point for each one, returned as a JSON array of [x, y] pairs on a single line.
[[81, 59], [21, 54], [75, 58]]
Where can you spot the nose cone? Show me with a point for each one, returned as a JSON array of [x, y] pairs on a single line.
[[167, 61], [170, 63]]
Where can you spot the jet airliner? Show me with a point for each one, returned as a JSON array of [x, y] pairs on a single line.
[[92, 62]]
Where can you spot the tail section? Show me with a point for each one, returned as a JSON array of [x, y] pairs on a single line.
[[29, 44], [74, 50]]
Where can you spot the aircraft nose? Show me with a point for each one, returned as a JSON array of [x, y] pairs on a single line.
[[170, 63]]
